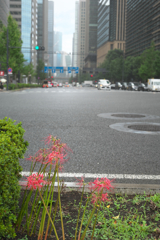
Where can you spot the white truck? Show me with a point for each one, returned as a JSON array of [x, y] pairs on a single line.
[[154, 85]]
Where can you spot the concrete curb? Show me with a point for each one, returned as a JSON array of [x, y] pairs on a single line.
[[122, 188]]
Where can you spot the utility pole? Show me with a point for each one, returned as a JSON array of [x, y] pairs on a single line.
[[7, 57]]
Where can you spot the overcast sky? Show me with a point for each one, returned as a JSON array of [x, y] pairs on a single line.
[[64, 21]]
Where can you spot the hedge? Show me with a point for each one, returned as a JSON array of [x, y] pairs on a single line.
[[12, 147], [13, 86]]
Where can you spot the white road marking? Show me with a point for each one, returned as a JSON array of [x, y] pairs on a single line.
[[110, 176]]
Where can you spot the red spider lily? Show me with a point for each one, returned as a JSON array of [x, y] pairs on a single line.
[[55, 158], [56, 153], [99, 197], [48, 140], [102, 184], [80, 181], [35, 181]]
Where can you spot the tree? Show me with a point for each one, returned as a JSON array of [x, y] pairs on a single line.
[[1, 25], [131, 67], [113, 63], [40, 70], [28, 70], [16, 58], [147, 68]]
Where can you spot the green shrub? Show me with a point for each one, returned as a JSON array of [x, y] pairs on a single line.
[[12, 147]]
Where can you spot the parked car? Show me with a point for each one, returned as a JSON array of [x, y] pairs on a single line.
[[87, 85], [124, 86], [104, 84], [136, 84], [142, 87], [118, 85], [131, 86], [112, 86]]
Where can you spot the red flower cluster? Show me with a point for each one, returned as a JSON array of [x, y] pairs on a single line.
[[36, 181], [102, 184], [57, 153], [98, 186]]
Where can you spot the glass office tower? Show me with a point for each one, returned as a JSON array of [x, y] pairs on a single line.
[[143, 26], [26, 28], [58, 48]]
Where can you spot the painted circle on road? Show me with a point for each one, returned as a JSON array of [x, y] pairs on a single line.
[[128, 116], [137, 127]]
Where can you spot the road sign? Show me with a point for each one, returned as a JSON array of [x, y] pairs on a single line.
[[76, 69], [46, 69], [10, 70], [1, 73], [53, 69], [69, 69], [61, 69]]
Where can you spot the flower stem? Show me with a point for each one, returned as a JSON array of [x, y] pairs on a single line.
[[60, 205], [49, 216]]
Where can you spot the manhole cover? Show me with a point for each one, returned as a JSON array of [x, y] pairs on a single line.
[[148, 128], [128, 115], [137, 127]]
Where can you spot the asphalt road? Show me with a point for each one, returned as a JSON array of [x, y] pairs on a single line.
[[72, 115]]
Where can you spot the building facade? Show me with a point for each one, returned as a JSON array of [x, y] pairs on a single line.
[[25, 13], [15, 9], [34, 32], [143, 26], [111, 27], [43, 30], [4, 11], [91, 33], [57, 48], [81, 33], [50, 32], [75, 37]]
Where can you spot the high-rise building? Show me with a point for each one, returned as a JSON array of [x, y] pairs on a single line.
[[25, 13], [75, 37], [91, 33], [34, 32], [81, 33], [143, 26], [111, 27], [26, 28], [43, 30], [4, 11], [16, 11], [50, 32], [58, 49]]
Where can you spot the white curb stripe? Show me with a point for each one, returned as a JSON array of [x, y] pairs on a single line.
[[110, 176]]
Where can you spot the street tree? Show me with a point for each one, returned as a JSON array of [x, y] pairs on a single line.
[[148, 58], [29, 71], [113, 63], [16, 58], [131, 68], [40, 70]]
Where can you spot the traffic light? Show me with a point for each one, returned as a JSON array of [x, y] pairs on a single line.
[[39, 48], [91, 75]]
